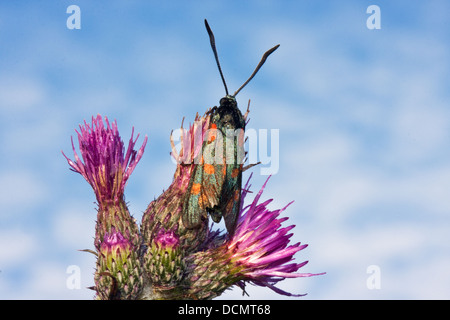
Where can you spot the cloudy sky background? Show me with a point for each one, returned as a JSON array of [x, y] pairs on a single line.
[[363, 118]]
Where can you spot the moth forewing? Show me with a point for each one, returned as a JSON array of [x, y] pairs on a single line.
[[234, 142], [213, 147]]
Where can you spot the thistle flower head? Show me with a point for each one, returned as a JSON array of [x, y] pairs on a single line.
[[106, 167], [257, 252], [260, 246]]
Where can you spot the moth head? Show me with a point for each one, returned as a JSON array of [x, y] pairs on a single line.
[[228, 114], [228, 102]]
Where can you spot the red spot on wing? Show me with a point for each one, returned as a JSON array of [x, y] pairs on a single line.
[[209, 169], [196, 187]]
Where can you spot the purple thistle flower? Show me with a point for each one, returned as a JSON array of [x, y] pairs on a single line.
[[259, 252], [106, 168], [261, 247]]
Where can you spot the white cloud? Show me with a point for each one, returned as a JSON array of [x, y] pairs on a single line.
[[74, 225], [19, 94], [419, 129], [19, 191], [16, 246], [48, 280]]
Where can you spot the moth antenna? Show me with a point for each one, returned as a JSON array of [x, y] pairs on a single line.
[[260, 64], [213, 46]]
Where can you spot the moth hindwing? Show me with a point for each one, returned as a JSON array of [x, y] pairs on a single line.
[[216, 182]]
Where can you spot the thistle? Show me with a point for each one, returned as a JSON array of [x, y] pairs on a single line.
[[163, 259], [107, 168]]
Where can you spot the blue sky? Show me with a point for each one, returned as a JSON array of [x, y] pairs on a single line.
[[363, 118]]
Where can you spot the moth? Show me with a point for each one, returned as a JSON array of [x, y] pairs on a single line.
[[216, 182]]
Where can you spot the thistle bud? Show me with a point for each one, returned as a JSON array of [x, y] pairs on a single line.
[[118, 274], [163, 260]]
